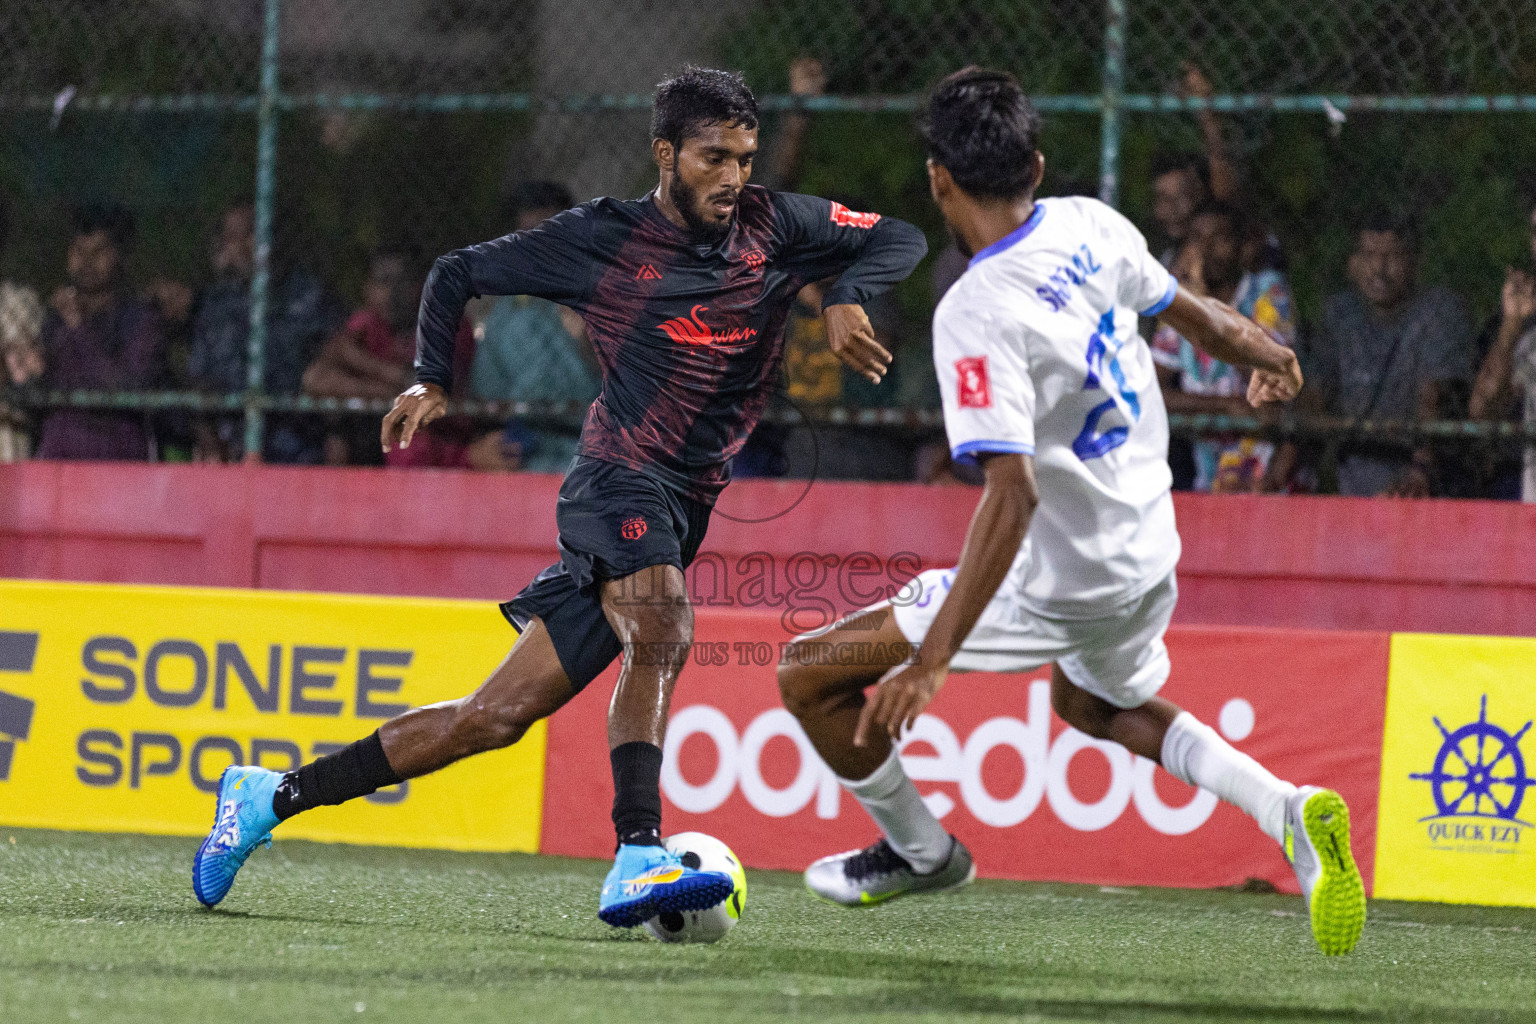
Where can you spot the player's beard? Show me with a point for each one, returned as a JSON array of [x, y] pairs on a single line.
[[686, 199]]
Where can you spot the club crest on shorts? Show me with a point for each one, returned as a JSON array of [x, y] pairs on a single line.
[[974, 390], [632, 528]]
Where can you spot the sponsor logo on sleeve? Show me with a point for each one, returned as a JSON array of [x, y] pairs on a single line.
[[975, 391], [844, 217]]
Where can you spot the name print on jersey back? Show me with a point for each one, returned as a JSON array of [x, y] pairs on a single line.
[[1052, 309], [1057, 290]]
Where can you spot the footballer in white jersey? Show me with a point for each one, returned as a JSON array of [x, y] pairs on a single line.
[[1070, 556]]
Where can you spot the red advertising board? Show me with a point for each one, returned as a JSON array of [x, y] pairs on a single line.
[[1032, 798]]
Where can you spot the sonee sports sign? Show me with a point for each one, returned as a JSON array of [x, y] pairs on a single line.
[[17, 653], [139, 697]]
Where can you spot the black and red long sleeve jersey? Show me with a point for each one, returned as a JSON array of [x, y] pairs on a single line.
[[688, 334]]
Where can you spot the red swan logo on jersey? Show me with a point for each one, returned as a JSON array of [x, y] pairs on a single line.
[[975, 392], [690, 330], [852, 219], [633, 528], [755, 258]]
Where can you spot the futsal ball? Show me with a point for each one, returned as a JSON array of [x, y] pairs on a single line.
[[703, 853]]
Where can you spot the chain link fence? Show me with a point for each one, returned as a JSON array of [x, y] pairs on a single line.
[[351, 125]]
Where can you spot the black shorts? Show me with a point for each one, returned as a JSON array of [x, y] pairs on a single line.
[[613, 521]]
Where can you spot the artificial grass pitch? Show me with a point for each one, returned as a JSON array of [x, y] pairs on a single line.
[[105, 928]]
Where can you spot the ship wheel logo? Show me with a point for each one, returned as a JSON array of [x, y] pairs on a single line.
[[1479, 771]]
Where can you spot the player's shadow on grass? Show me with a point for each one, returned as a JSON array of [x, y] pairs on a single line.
[[488, 928], [213, 913]]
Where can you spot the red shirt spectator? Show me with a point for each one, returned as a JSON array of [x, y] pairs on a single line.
[[373, 356]]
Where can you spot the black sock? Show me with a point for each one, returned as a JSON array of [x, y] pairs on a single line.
[[637, 793], [351, 772]]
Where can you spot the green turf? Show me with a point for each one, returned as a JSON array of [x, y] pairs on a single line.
[[105, 928]]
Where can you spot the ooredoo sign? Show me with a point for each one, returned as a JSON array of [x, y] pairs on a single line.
[[1031, 797]]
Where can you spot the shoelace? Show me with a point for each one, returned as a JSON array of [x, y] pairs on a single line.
[[876, 859]]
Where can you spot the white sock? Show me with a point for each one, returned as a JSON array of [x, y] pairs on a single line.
[[1194, 753], [909, 826]]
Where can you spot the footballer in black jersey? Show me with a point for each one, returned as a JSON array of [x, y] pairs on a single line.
[[685, 293]]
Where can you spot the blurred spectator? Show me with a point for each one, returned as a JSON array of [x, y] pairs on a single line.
[[21, 324], [534, 202], [1211, 264], [1508, 374], [816, 378], [783, 158], [1387, 350], [1184, 183], [532, 350], [373, 356], [300, 315], [97, 337], [1178, 190]]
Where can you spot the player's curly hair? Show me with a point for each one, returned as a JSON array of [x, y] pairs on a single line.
[[982, 128], [696, 97]]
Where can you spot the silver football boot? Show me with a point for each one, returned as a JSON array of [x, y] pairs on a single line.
[[862, 878]]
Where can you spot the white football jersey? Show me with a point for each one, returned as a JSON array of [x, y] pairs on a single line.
[[1037, 351]]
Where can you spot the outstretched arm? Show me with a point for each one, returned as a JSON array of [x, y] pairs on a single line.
[[1224, 180], [870, 253], [997, 531], [982, 361], [1491, 390], [552, 261], [1225, 334]]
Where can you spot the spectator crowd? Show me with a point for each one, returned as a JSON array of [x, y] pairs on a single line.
[[1384, 346]]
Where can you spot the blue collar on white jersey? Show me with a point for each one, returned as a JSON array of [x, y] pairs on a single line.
[[1018, 234]]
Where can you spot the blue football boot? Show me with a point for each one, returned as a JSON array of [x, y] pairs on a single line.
[[242, 821], [650, 880]]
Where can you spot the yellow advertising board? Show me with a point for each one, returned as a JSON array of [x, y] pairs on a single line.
[[1458, 797], [121, 705]]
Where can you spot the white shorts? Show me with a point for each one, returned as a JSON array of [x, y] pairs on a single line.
[[1120, 658]]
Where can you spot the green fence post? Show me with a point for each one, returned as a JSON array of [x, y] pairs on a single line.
[[1114, 90], [266, 161]]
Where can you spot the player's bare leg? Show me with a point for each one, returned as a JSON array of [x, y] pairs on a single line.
[[653, 618], [828, 697], [1139, 730], [1312, 825], [916, 854], [528, 685]]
